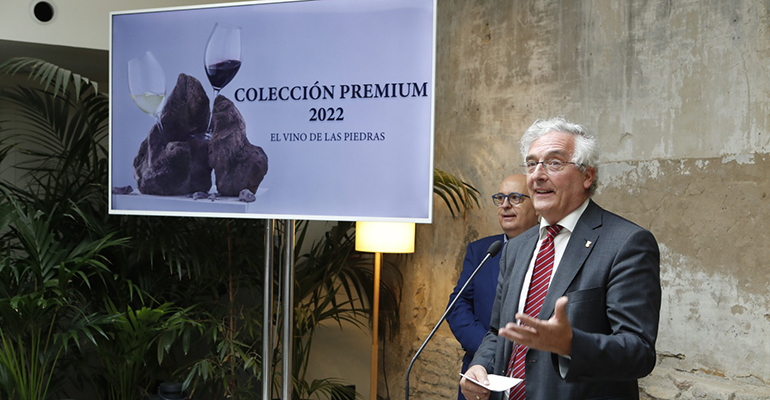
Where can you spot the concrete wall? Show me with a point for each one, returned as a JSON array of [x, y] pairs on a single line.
[[677, 93]]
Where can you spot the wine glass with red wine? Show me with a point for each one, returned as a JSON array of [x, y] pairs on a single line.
[[222, 60]]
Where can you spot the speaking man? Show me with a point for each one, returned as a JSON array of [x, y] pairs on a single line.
[[469, 320], [578, 298]]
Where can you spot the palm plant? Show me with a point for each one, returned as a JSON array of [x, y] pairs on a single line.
[[43, 284], [58, 223], [52, 253], [135, 344], [456, 193]]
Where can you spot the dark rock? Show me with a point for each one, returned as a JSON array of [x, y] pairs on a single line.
[[246, 196], [178, 160], [237, 163], [200, 171], [186, 111], [122, 189], [172, 162], [162, 170]]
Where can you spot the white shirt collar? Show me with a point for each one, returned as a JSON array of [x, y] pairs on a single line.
[[569, 222]]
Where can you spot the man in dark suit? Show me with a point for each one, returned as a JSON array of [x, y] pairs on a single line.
[[469, 320], [595, 332]]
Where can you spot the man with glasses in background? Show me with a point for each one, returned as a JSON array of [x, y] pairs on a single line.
[[578, 298], [469, 320]]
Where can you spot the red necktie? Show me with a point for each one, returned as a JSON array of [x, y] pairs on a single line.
[[538, 287]]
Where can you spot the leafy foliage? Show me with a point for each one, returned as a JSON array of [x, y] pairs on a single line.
[[52, 255], [456, 193], [126, 350], [47, 73], [44, 280]]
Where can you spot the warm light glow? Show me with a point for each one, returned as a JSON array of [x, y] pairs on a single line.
[[385, 237]]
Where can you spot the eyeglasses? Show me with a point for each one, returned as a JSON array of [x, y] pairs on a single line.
[[548, 165], [513, 198]]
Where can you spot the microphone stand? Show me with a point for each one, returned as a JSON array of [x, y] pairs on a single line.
[[493, 250]]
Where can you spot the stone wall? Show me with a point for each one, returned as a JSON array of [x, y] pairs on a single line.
[[677, 93]]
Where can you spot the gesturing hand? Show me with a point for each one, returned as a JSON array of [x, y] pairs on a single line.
[[553, 335]]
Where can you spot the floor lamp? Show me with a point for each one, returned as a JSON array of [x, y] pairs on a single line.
[[378, 238]]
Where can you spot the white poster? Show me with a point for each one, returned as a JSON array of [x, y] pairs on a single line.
[[323, 110]]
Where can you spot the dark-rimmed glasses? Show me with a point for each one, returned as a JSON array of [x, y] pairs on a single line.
[[513, 198]]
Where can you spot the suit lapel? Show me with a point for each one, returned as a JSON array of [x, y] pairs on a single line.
[[522, 259], [582, 241]]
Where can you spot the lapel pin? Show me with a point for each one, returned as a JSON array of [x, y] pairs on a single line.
[[588, 243]]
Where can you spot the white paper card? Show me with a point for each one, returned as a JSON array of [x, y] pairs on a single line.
[[497, 383]]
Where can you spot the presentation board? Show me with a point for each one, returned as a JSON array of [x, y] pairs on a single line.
[[319, 110]]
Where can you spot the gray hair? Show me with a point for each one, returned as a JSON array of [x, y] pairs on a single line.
[[586, 152]]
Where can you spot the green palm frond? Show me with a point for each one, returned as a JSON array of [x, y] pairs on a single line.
[[456, 193], [47, 74]]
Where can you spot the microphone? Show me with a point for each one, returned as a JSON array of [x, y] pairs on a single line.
[[494, 248]]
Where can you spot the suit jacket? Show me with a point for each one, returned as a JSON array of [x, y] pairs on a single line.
[[610, 272], [469, 320]]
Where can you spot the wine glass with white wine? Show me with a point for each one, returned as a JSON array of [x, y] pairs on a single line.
[[147, 84]]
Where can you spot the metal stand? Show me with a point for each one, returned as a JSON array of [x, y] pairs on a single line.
[[288, 308], [267, 316]]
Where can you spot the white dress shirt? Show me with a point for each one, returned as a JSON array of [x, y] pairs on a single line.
[[559, 243]]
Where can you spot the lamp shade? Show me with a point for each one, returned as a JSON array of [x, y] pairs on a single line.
[[385, 237]]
